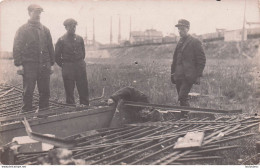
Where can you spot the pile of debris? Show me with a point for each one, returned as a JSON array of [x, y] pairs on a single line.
[[11, 102], [181, 136], [184, 141]]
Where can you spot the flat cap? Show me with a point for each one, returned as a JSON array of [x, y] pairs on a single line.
[[33, 7], [70, 22], [183, 22]]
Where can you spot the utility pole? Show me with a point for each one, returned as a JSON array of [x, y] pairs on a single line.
[[111, 31], [94, 41], [244, 22], [119, 30], [243, 31], [130, 28], [86, 37]]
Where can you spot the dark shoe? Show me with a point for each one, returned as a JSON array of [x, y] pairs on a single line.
[[184, 103], [184, 114]]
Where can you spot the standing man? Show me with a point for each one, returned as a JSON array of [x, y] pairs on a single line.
[[70, 55], [188, 62], [33, 54]]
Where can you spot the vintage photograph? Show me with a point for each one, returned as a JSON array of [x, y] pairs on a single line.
[[120, 82]]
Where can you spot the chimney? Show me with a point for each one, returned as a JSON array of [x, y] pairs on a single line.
[[111, 33], [94, 41], [130, 27], [119, 30]]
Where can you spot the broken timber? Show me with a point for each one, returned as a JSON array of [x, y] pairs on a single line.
[[59, 119], [191, 109], [137, 144]]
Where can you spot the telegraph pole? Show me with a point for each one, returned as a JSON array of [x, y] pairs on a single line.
[[119, 30], [94, 41], [130, 28], [111, 31], [244, 22]]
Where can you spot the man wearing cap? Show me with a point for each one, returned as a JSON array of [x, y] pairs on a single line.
[[33, 54], [70, 55], [188, 62]]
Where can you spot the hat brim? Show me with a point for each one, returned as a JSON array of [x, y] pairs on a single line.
[[181, 25], [38, 9], [68, 24]]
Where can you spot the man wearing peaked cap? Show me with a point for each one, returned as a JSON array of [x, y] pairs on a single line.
[[188, 62], [33, 54], [70, 55], [35, 7], [183, 22], [70, 22]]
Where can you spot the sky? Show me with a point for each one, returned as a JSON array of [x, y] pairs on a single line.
[[204, 15]]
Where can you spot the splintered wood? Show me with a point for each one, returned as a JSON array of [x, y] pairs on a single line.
[[190, 140]]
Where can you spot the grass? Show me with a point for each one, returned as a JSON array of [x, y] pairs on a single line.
[[228, 83]]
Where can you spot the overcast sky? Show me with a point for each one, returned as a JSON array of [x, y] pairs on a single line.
[[205, 16]]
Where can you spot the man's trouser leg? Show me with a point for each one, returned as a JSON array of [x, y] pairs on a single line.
[[82, 82], [69, 86], [82, 86], [43, 84], [29, 82], [68, 74], [183, 88]]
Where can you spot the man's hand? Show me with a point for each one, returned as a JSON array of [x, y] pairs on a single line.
[[20, 70], [197, 82], [110, 102], [172, 79], [51, 70]]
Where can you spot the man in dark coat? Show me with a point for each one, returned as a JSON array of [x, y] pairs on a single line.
[[128, 114], [34, 56], [128, 94], [70, 55], [188, 62]]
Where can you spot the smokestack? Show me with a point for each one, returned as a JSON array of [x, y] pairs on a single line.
[[111, 33], [119, 30], [130, 28], [86, 37], [94, 41]]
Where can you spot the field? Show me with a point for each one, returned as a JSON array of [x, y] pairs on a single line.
[[228, 83]]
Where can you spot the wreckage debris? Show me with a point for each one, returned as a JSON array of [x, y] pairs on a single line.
[[153, 144]]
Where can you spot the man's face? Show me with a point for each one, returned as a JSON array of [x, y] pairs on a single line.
[[183, 31], [71, 29], [35, 15]]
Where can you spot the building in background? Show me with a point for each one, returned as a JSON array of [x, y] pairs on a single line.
[[147, 36], [171, 38], [235, 35]]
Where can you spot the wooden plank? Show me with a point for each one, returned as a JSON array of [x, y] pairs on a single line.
[[8, 91], [60, 125], [55, 118], [184, 108], [190, 140], [58, 142]]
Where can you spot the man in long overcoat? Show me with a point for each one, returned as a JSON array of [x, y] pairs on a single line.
[[188, 62]]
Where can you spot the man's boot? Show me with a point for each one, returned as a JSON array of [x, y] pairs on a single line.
[[184, 113]]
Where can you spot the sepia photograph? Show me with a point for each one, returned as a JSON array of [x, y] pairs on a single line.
[[130, 82]]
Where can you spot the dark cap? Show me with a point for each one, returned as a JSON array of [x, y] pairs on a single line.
[[70, 22], [183, 22], [34, 7]]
